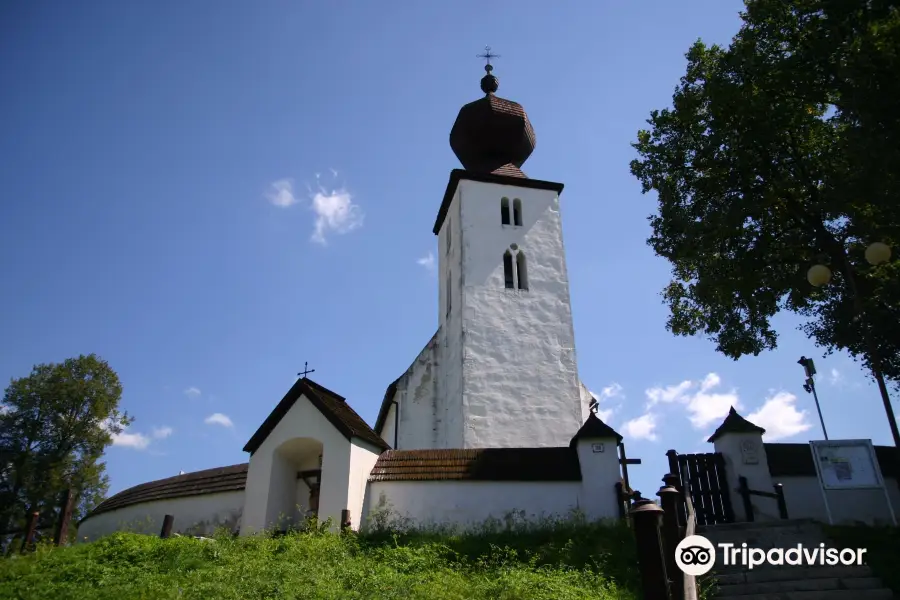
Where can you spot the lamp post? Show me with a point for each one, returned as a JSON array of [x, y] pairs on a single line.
[[810, 387], [819, 275]]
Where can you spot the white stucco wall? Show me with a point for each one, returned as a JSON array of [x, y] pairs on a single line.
[[758, 477], [467, 503], [272, 480], [600, 471], [427, 411], [519, 378], [197, 515], [363, 457], [803, 497], [450, 418]]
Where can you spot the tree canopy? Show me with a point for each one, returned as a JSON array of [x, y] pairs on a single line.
[[779, 152], [54, 426]]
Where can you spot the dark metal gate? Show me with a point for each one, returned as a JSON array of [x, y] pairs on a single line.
[[703, 477]]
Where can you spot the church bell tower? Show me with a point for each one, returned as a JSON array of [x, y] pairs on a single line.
[[506, 334]]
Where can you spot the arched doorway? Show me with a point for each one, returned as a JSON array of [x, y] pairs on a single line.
[[297, 475]]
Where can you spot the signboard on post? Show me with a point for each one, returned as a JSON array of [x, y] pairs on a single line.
[[848, 465]]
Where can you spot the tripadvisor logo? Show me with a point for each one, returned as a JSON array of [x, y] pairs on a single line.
[[696, 555]]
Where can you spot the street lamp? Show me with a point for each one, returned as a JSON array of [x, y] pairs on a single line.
[[819, 275], [809, 386]]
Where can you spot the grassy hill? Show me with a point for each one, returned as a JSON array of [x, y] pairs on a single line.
[[559, 562]]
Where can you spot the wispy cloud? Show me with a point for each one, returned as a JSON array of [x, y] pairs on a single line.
[[335, 211], [218, 419], [707, 405], [703, 402], [641, 428], [281, 193], [162, 433], [427, 262], [192, 392], [835, 377], [779, 417], [137, 440]]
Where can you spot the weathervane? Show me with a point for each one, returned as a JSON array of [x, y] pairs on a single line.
[[487, 56], [306, 370]]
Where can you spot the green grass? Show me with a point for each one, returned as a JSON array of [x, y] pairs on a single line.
[[882, 545], [556, 561]]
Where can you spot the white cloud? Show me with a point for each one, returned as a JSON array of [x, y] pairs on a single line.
[[335, 213], [427, 261], [835, 377], [779, 417], [641, 428], [281, 193], [138, 441], [218, 419], [704, 404], [162, 433], [192, 391]]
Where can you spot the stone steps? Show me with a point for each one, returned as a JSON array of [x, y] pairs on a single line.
[[765, 582]]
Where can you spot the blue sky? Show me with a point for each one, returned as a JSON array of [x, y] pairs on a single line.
[[209, 194]]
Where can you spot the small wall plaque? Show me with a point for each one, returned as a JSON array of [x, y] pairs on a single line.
[[597, 447], [749, 452]]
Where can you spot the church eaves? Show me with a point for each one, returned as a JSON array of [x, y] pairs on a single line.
[[332, 406]]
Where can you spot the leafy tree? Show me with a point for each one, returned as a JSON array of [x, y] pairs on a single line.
[[780, 152], [54, 427]]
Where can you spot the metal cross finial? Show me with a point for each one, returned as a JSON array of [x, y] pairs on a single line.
[[488, 56], [306, 370]]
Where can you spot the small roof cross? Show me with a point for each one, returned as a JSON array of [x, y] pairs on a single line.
[[306, 370], [488, 56]]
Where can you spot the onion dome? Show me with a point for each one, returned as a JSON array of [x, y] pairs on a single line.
[[492, 135]]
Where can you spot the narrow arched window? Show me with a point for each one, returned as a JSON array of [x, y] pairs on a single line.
[[504, 211], [508, 270], [448, 293], [449, 234], [517, 212], [521, 271]]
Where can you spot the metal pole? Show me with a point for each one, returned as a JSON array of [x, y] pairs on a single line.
[[812, 386], [873, 351]]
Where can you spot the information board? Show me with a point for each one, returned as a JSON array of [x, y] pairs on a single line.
[[847, 464]]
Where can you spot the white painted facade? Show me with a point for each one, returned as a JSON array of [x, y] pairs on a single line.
[[510, 375], [194, 515], [464, 504], [461, 504], [295, 444]]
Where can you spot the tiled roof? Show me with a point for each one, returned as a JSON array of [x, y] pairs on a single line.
[[209, 481], [331, 405], [595, 428], [795, 460], [735, 423], [485, 464], [509, 170]]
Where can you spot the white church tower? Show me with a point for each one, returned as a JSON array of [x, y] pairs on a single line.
[[508, 371]]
